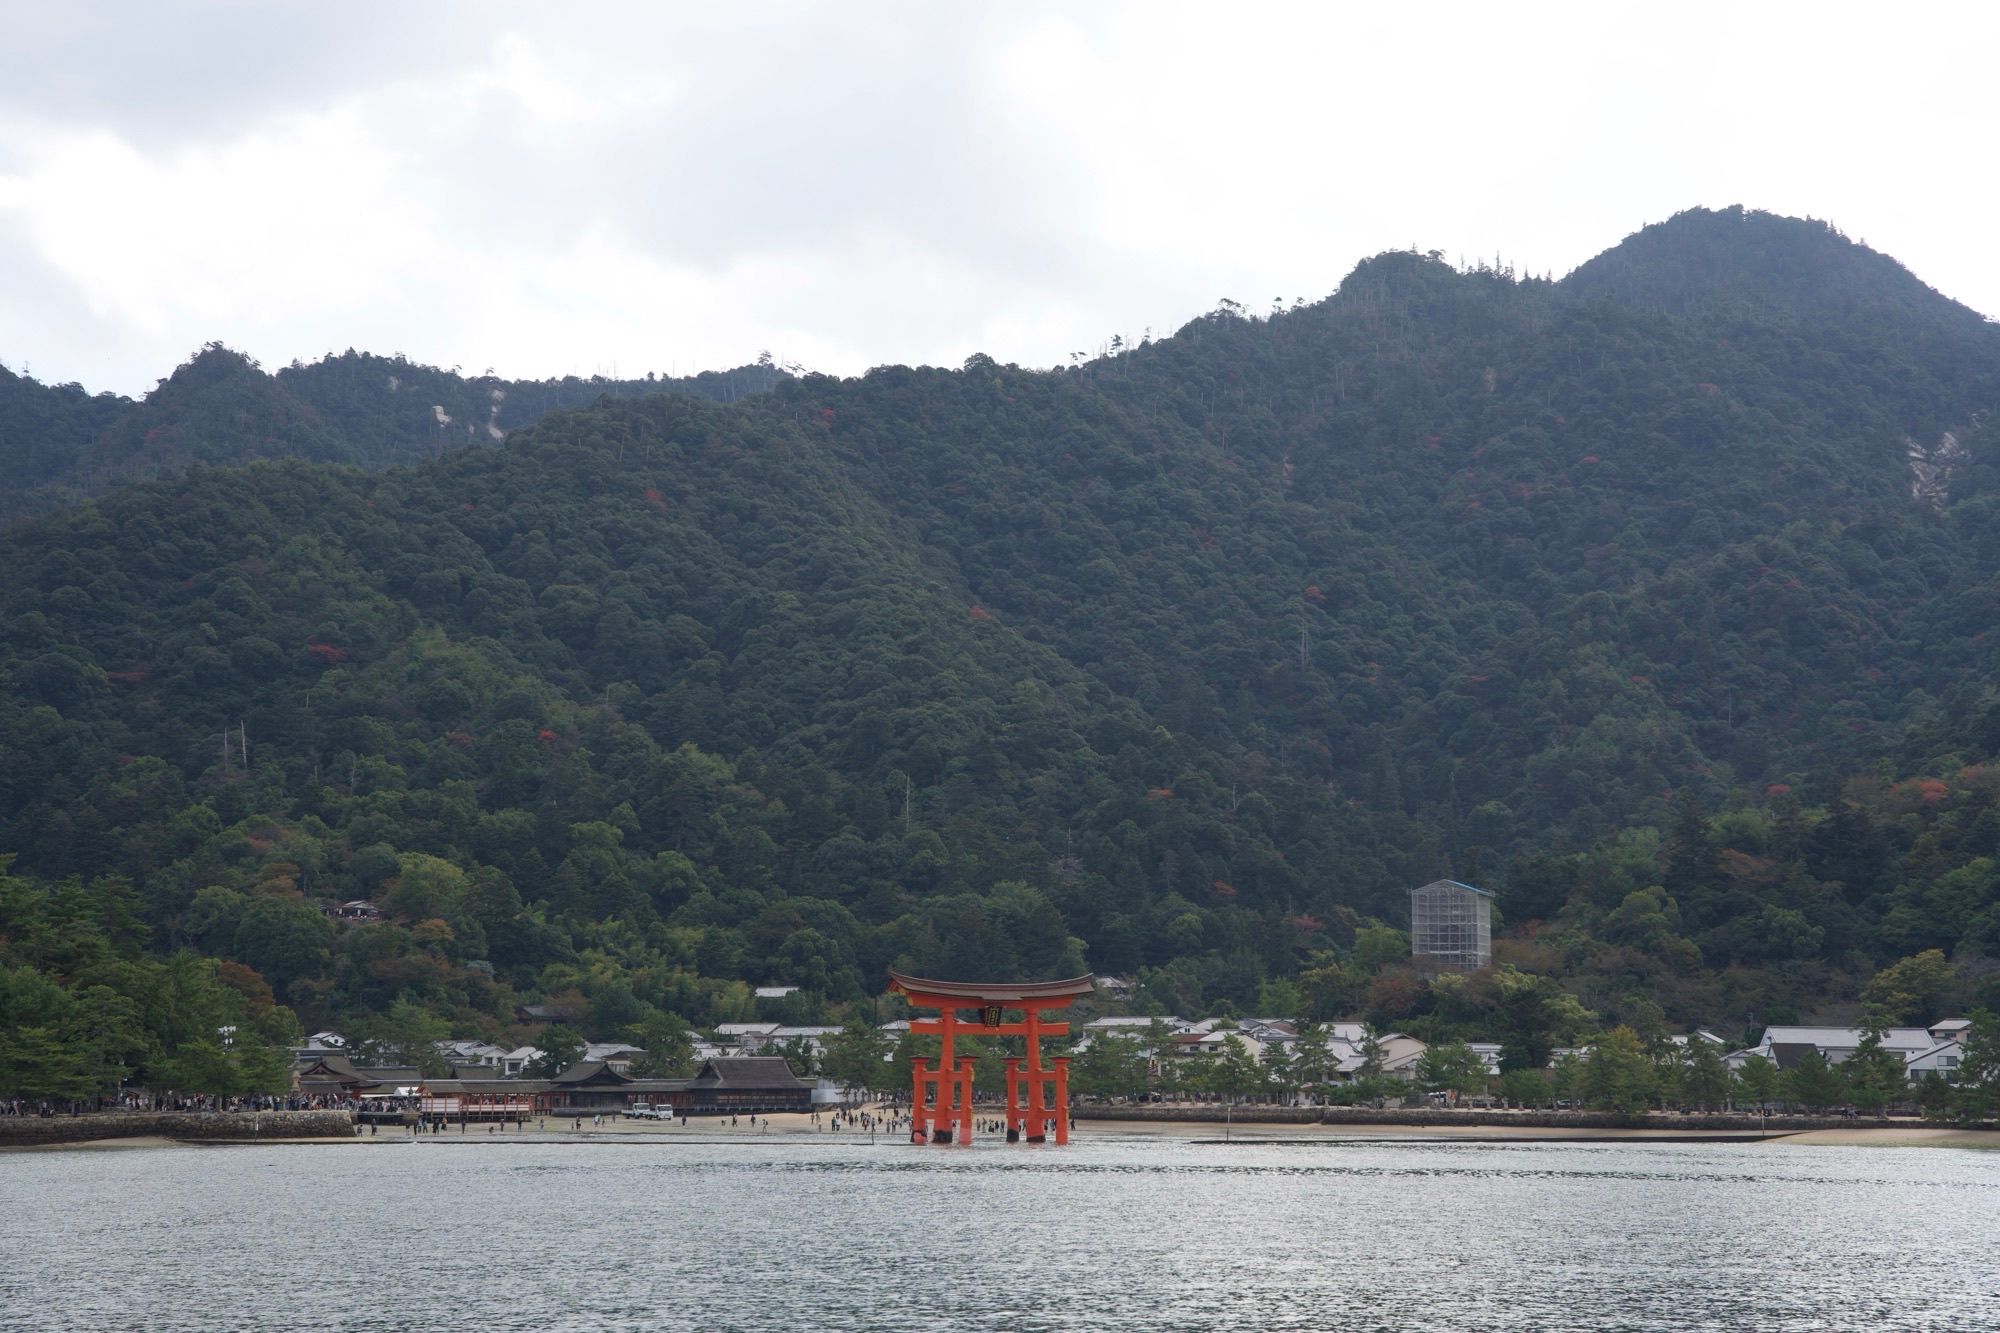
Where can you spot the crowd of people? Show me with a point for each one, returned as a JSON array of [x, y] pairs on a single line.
[[835, 1122], [894, 1118]]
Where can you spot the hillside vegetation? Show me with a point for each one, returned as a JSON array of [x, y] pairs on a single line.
[[1656, 599], [60, 444]]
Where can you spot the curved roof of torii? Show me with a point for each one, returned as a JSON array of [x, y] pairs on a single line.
[[994, 992]]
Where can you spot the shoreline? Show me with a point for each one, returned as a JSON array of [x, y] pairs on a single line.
[[1246, 1132], [793, 1127], [104, 1127]]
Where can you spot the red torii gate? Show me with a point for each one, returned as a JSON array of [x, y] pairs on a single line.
[[1035, 1096]]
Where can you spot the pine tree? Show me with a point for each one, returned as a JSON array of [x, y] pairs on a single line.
[[1756, 1081], [1618, 1076], [1813, 1083], [1704, 1078], [1976, 1096], [1874, 1074]]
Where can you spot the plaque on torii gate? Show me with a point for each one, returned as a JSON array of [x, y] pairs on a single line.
[[1037, 1096]]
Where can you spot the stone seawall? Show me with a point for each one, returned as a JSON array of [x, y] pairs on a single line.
[[1357, 1116], [192, 1126]]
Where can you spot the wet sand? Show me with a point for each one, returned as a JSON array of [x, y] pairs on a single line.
[[1242, 1131], [1913, 1136], [1248, 1131], [702, 1129], [1916, 1136]]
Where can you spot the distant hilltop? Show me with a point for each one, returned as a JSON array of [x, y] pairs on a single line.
[[60, 444]]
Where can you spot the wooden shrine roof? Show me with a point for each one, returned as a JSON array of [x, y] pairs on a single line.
[[993, 992], [589, 1074], [746, 1073]]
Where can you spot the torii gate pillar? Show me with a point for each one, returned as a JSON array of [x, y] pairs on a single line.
[[1037, 1097]]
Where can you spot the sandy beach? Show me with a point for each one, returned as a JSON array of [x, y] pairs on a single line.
[[1913, 1136], [801, 1126]]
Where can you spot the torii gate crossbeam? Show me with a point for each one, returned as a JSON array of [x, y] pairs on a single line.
[[1037, 1097]]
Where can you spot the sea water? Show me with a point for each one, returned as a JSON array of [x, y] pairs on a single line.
[[1139, 1233]]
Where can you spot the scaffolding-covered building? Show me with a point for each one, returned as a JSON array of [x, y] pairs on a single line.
[[1451, 925]]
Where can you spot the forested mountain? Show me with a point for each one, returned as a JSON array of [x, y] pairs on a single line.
[[1656, 599], [60, 444]]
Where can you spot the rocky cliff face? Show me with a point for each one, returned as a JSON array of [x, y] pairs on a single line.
[[1931, 469]]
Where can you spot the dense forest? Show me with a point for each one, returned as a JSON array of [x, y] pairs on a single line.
[[1656, 599], [60, 444]]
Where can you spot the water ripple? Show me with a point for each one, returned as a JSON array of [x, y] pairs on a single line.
[[1104, 1235]]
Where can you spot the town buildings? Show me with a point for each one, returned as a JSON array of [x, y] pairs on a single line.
[[1936, 1049]]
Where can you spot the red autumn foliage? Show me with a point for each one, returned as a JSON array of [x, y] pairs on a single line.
[[1778, 789], [1159, 793], [1397, 994], [1932, 790], [1224, 888], [655, 498], [325, 653], [546, 736], [248, 982], [980, 613], [458, 740], [1306, 924], [1314, 594], [1590, 458]]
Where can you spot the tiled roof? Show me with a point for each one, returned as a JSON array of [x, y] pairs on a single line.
[[589, 1071], [746, 1072], [993, 991]]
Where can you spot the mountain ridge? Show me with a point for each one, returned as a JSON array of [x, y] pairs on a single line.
[[1185, 662], [221, 408]]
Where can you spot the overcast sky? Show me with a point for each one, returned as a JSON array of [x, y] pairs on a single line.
[[615, 189]]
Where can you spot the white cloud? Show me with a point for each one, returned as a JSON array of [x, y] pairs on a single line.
[[657, 189]]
